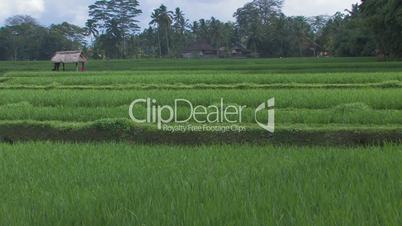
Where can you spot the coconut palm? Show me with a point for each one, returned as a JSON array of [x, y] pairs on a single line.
[[180, 22], [163, 19], [156, 21]]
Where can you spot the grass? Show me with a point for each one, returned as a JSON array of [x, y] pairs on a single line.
[[116, 130], [289, 65], [335, 109], [193, 78], [347, 114], [120, 184], [372, 107], [386, 99], [196, 80], [340, 96]]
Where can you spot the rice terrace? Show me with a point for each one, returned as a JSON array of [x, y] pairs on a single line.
[[342, 127], [266, 119]]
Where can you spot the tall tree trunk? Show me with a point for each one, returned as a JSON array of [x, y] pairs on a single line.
[[160, 44], [15, 52], [167, 40], [124, 47]]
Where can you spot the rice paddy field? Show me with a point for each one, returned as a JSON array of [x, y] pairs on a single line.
[[71, 155]]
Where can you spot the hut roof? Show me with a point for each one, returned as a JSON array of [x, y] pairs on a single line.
[[69, 57], [240, 48], [199, 46]]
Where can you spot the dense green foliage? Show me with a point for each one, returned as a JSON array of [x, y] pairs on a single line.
[[384, 19], [112, 23], [370, 28], [24, 39]]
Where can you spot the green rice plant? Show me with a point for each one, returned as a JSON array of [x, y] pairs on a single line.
[[388, 79], [353, 114], [327, 101], [122, 184], [286, 98], [286, 65]]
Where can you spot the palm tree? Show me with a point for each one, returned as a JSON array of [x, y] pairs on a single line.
[[355, 10], [180, 22], [91, 30], [215, 32], [156, 21], [163, 19]]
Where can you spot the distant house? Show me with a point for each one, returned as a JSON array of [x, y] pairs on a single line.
[[240, 51], [223, 52], [200, 49], [69, 57], [237, 51]]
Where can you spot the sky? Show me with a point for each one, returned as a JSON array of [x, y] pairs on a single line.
[[76, 11]]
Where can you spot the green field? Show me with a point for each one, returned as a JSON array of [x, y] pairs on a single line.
[[78, 159], [120, 184], [342, 96]]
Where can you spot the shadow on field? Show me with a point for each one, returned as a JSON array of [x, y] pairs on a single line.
[[109, 131]]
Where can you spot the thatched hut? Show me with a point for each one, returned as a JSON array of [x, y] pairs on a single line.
[[239, 51], [69, 57], [200, 49]]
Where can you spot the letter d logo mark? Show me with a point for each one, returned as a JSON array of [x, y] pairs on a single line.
[[269, 105]]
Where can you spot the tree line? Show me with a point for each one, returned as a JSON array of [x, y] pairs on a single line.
[[369, 28]]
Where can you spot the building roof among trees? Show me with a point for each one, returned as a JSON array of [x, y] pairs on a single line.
[[240, 48], [69, 57], [199, 46]]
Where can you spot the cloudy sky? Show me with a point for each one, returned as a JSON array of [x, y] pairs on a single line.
[[75, 11]]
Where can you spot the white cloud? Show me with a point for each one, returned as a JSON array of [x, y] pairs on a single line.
[[12, 7], [224, 9], [316, 7], [195, 9], [75, 11]]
